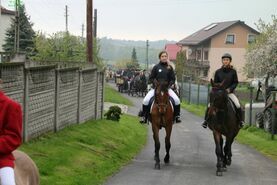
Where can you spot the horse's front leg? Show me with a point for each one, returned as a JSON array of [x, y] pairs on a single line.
[[157, 146], [167, 143], [219, 152], [228, 150]]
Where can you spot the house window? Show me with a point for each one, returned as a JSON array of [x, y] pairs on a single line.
[[198, 54], [230, 39], [251, 38], [205, 73], [206, 55]]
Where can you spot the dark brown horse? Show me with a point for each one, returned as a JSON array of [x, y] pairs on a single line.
[[161, 116], [222, 121]]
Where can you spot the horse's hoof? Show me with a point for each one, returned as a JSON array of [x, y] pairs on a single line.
[[157, 166], [224, 169], [219, 173], [228, 162], [166, 159]]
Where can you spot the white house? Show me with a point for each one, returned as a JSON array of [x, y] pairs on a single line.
[[5, 22]]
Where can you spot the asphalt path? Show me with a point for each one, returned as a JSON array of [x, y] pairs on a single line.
[[193, 159]]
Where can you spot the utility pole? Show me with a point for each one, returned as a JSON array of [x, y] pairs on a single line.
[[95, 23], [147, 48], [83, 30], [89, 31], [66, 18]]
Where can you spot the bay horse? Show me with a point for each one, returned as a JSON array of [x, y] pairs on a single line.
[[222, 121], [161, 115], [25, 171]]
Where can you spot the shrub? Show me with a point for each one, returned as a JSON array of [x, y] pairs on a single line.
[[113, 113]]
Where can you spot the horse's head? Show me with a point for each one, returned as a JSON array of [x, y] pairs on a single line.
[[218, 97], [161, 95]]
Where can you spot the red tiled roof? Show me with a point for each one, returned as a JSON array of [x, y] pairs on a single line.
[[172, 50], [5, 11]]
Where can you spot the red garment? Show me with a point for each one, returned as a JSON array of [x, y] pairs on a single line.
[[10, 129]]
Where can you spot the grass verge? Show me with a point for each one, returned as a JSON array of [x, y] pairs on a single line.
[[258, 139], [198, 110], [113, 96], [88, 153]]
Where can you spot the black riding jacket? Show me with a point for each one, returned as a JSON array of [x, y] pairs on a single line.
[[229, 76], [162, 71]]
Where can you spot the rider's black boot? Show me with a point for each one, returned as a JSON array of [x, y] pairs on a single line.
[[144, 114], [240, 117], [177, 113], [205, 123]]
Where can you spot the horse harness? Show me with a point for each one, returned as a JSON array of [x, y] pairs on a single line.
[[162, 107]]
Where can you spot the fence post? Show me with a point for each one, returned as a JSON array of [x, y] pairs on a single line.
[[96, 94], [79, 96], [198, 92], [273, 111], [182, 88], [57, 90], [189, 89], [251, 102], [26, 104], [103, 93]]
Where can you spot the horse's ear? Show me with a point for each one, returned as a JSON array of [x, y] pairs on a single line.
[[212, 82]]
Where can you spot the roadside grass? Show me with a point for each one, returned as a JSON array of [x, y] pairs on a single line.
[[87, 153], [258, 139], [251, 136], [113, 96], [198, 110]]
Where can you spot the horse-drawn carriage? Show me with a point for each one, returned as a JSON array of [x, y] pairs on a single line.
[[121, 83], [138, 85]]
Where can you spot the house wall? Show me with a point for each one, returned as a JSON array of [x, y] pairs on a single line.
[[5, 22], [241, 37], [238, 60], [237, 50]]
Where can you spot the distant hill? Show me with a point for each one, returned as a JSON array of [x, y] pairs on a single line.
[[113, 50]]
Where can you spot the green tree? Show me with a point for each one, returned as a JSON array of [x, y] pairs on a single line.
[[180, 64], [64, 47], [134, 61], [26, 34]]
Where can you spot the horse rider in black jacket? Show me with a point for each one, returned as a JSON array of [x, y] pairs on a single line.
[[161, 71], [229, 75]]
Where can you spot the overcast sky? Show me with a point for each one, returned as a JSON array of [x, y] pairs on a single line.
[[146, 19]]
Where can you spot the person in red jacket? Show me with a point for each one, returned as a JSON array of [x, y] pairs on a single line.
[[10, 136]]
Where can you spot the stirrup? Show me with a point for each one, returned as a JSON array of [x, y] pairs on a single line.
[[143, 120], [241, 124], [177, 119], [205, 124]]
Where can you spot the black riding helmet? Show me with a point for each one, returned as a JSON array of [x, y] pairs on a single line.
[[227, 55]]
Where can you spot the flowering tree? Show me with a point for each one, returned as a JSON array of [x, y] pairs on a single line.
[[261, 56]]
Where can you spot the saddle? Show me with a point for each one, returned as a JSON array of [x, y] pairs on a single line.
[[233, 105], [151, 103]]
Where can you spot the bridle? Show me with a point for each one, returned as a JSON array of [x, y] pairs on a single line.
[[214, 109]]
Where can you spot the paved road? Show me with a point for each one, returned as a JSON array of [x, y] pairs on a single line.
[[193, 160]]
